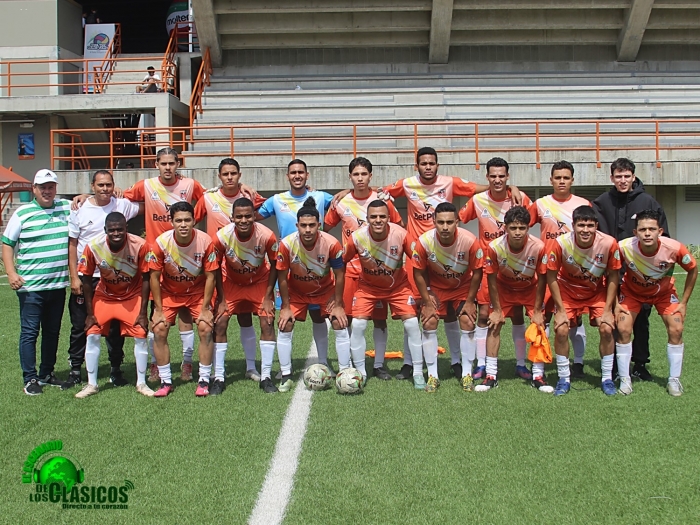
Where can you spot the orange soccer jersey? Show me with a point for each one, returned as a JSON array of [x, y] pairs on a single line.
[[310, 269], [648, 276], [158, 198], [490, 214], [516, 272], [554, 216], [423, 198], [217, 209], [119, 271], [182, 267], [246, 262], [581, 270]]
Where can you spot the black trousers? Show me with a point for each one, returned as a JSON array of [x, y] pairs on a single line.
[[78, 338], [640, 343]]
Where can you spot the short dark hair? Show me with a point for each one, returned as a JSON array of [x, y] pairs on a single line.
[[181, 206], [517, 214], [309, 210], [378, 203], [115, 216], [563, 165], [622, 164], [167, 151], [360, 161], [647, 215], [497, 162], [445, 207], [242, 202], [101, 172], [297, 161], [426, 151], [229, 162], [150, 68], [584, 213]]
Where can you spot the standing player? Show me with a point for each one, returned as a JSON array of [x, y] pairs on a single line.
[[216, 207], [380, 247], [577, 263], [351, 211], [183, 263], [648, 279], [490, 208], [85, 224], [553, 213], [516, 271], [304, 263], [423, 193], [249, 282], [121, 295], [447, 266]]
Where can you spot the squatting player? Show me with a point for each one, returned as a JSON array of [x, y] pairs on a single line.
[[311, 271], [648, 279], [121, 294], [447, 266], [516, 271], [578, 262], [380, 247]]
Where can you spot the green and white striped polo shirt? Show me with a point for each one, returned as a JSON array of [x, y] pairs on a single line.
[[40, 238]]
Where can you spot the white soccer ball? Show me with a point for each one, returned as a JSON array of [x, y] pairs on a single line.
[[349, 381], [317, 377]]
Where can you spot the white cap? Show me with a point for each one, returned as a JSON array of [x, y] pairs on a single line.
[[44, 176]]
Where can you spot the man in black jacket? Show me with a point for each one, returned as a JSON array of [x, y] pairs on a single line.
[[616, 212]]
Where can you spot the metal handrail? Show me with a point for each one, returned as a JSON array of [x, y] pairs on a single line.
[[203, 80]]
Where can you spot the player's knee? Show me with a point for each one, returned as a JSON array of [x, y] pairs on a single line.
[[466, 324], [160, 331], [675, 334], [562, 333], [605, 331], [359, 325], [430, 324], [267, 330]]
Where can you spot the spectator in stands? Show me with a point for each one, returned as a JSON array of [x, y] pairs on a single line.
[[91, 17], [150, 82]]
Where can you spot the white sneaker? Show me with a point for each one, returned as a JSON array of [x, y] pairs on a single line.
[[674, 387], [89, 390], [144, 389], [625, 386], [253, 375]]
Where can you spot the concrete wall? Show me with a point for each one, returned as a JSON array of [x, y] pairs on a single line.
[[688, 218], [42, 141], [70, 28], [28, 23]]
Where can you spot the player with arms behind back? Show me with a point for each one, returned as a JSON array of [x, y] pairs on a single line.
[[648, 279]]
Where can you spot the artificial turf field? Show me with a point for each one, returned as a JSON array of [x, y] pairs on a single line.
[[390, 455]]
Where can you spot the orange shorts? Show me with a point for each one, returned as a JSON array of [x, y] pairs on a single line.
[[511, 299], [665, 303], [482, 296], [594, 307], [351, 285], [400, 300], [450, 299], [173, 304], [244, 299], [108, 310], [300, 304]]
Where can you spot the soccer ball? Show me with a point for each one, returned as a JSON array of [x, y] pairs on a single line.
[[317, 377], [349, 381]]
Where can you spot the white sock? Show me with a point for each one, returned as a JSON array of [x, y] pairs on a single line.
[[92, 357], [578, 341], [219, 361], [141, 358], [675, 359], [430, 351], [284, 351], [342, 348], [537, 370], [380, 339], [187, 339], [358, 346], [606, 366], [563, 368], [320, 331], [520, 344], [453, 337], [248, 340], [414, 344], [204, 372], [267, 354], [480, 337], [407, 358], [624, 356], [151, 341], [165, 374], [467, 345], [492, 366]]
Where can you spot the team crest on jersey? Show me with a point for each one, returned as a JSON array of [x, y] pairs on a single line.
[[686, 259], [485, 213], [621, 298], [432, 257], [155, 196], [599, 258], [130, 259], [394, 250], [663, 265], [674, 299], [442, 194], [321, 259], [216, 207], [198, 257], [257, 250], [547, 214], [413, 196], [460, 256], [296, 260], [183, 195], [531, 261], [104, 264]]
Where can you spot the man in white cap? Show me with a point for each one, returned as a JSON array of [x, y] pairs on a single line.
[[37, 238]]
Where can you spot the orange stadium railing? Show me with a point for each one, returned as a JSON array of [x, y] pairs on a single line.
[[203, 80], [594, 137]]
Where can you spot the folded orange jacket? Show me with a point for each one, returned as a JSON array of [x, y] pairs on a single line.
[[540, 351]]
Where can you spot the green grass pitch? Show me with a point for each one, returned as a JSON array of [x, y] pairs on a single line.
[[390, 455]]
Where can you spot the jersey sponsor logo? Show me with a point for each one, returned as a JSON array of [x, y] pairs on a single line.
[[494, 236], [427, 206], [296, 260], [231, 254], [674, 299], [155, 196], [686, 259], [553, 235], [104, 264], [447, 267], [347, 213], [216, 208], [504, 262], [423, 216], [411, 301], [570, 259], [160, 218], [460, 256], [365, 254], [485, 213], [432, 257], [394, 250], [181, 269], [547, 214], [561, 224], [89, 223], [117, 271], [632, 266], [413, 196]]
